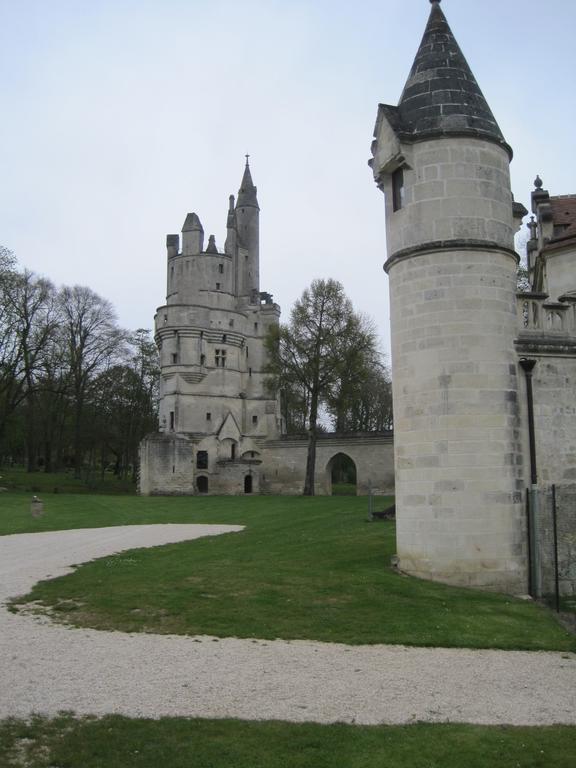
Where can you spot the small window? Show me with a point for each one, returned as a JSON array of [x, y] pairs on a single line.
[[231, 323], [256, 326], [201, 334], [223, 338], [174, 358], [249, 371], [172, 421], [217, 286], [221, 268], [220, 358], [255, 420], [246, 351], [208, 416], [165, 319], [398, 189], [202, 460], [202, 359], [233, 451]]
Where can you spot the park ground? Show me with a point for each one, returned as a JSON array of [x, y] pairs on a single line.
[[303, 569]]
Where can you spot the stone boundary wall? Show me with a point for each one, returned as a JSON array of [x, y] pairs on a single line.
[[168, 466], [373, 454]]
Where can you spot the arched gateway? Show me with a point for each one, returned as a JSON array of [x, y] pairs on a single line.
[[341, 476]]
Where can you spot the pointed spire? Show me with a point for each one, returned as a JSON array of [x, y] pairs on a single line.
[[192, 224], [441, 95], [211, 245], [247, 192]]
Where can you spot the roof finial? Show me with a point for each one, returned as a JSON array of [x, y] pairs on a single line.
[[435, 1], [538, 183], [247, 158]]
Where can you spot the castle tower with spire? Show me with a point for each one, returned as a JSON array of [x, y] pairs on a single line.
[[443, 165], [215, 411]]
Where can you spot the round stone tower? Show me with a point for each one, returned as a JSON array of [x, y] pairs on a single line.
[[215, 407], [443, 165]]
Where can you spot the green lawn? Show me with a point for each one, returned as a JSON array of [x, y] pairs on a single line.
[[308, 568], [116, 742], [17, 479]]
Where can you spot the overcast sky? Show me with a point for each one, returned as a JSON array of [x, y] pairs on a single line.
[[120, 116]]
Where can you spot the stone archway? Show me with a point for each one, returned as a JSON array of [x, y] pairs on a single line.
[[248, 484], [341, 476]]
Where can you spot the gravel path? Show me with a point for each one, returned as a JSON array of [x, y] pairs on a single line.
[[47, 668]]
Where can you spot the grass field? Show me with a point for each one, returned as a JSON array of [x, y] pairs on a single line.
[[17, 479], [116, 742], [304, 568]]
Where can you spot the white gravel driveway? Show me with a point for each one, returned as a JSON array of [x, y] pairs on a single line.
[[47, 668]]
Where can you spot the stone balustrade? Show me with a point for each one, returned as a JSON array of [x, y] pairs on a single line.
[[538, 315]]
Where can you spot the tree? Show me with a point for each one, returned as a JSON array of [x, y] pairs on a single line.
[[362, 399], [93, 343], [27, 323], [35, 313], [323, 342], [125, 403]]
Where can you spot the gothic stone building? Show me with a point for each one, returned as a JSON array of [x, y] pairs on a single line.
[[468, 352], [220, 427], [465, 347]]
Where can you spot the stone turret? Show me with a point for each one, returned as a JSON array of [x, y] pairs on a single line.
[[215, 407], [192, 235], [248, 231], [443, 165]]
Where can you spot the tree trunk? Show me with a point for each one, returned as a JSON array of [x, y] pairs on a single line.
[[78, 438], [31, 436], [309, 489]]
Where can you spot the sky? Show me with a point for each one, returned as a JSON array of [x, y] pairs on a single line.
[[118, 117]]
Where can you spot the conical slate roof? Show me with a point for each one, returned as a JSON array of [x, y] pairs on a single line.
[[441, 95], [247, 191]]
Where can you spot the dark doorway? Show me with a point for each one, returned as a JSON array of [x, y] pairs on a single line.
[[202, 484], [342, 475], [248, 484]]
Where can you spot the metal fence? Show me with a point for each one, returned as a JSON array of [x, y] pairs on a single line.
[[552, 543]]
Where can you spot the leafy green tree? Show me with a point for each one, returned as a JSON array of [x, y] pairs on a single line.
[[361, 401], [316, 350]]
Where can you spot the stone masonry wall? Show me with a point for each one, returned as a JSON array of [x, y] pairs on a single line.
[[459, 472], [554, 384], [168, 465], [285, 463]]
